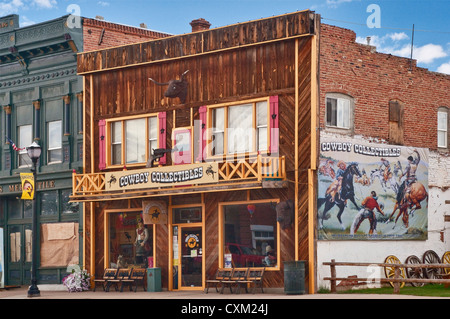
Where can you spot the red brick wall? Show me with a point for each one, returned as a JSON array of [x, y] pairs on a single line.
[[373, 79], [114, 34]]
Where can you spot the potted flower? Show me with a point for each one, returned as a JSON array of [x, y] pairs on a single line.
[[77, 281]]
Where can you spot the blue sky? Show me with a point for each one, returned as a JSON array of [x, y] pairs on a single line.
[[388, 22]]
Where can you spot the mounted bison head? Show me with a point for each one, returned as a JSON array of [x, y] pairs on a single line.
[[285, 213], [175, 88]]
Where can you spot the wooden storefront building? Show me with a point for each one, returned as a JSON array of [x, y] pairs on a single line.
[[237, 180]]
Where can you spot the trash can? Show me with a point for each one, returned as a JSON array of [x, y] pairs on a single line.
[[294, 277], [153, 279]]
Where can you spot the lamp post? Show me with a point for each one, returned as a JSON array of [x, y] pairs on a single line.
[[34, 152]]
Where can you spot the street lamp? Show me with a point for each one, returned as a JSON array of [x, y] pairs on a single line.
[[34, 152]]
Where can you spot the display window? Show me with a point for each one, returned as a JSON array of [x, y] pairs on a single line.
[[130, 242], [249, 234]]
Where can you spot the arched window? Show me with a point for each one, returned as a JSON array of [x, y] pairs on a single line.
[[339, 111]]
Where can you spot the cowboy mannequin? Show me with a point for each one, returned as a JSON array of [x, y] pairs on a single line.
[[142, 237]]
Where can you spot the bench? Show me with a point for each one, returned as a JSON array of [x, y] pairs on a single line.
[[122, 274], [253, 277], [221, 275], [108, 274], [237, 275], [137, 277]]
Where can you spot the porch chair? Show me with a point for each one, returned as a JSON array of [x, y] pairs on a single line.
[[108, 274], [255, 277], [122, 274]]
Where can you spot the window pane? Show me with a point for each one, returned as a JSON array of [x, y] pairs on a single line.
[[54, 141], [116, 141], [152, 134], [261, 125], [442, 139], [442, 121], [262, 138], [67, 207], [54, 134], [240, 128], [343, 110], [25, 139], [49, 203], [14, 208], [331, 111], [218, 123], [261, 112], [250, 234], [135, 141]]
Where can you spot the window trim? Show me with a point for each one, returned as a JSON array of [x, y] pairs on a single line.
[[351, 119], [254, 151], [108, 137], [445, 110], [221, 226]]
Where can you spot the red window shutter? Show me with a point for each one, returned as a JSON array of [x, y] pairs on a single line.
[[162, 135], [202, 139], [273, 125], [102, 144]]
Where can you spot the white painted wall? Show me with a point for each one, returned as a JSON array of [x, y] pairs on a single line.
[[377, 251]]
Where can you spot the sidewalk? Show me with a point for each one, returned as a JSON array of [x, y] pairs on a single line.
[[272, 294]]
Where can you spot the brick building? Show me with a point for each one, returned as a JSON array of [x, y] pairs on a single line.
[[384, 103]]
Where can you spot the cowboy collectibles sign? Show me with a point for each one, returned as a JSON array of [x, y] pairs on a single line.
[[371, 191], [202, 173]]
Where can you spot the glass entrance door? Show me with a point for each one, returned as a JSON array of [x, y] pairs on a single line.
[[19, 261], [191, 257]]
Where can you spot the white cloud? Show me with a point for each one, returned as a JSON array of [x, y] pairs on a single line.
[[335, 3], [428, 53], [103, 3], [46, 4], [395, 44], [10, 7], [397, 36], [444, 68]]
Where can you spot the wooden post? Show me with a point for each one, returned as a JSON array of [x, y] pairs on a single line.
[[333, 275], [396, 276]]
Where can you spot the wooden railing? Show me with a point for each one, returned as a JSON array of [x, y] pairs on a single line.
[[239, 170], [396, 280]]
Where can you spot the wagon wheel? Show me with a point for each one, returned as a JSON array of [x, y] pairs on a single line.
[[390, 271], [430, 257], [414, 272], [446, 260]]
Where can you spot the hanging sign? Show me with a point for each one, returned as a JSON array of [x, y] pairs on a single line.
[[154, 212], [27, 186], [168, 176]]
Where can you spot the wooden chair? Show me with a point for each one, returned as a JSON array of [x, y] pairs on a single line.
[[137, 277], [122, 274], [221, 274], [108, 274], [254, 277], [237, 275]]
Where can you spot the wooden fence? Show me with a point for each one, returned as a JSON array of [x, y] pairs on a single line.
[[396, 280]]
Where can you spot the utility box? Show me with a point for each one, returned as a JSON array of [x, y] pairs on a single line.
[[154, 279], [294, 277]]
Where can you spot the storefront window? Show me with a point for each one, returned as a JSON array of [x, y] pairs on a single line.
[[187, 215], [130, 241], [250, 235], [67, 207], [49, 203]]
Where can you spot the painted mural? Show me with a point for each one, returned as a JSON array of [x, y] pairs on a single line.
[[371, 191]]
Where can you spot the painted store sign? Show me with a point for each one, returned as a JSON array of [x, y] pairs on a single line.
[[371, 191], [202, 173]]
